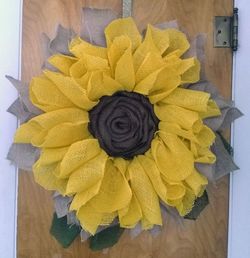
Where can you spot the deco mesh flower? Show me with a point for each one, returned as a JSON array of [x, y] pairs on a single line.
[[124, 129]]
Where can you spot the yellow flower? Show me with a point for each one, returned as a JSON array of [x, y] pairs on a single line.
[[72, 160]]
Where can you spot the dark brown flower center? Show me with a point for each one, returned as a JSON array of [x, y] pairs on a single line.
[[124, 124]]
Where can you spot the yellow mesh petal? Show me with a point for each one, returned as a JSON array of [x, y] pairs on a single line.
[[124, 71], [117, 49], [192, 147], [197, 182], [61, 135], [120, 56], [174, 203], [147, 47], [177, 130], [44, 176], [175, 55], [84, 80], [145, 193], [130, 215], [66, 115], [198, 126], [107, 218], [146, 224], [177, 115], [125, 26], [176, 63], [159, 84], [93, 63], [177, 41], [167, 191], [39, 138], [114, 193], [78, 154], [204, 155], [180, 161], [26, 132], [192, 75], [79, 47], [102, 85], [52, 155], [78, 69], [83, 197], [188, 68], [145, 86], [205, 137], [121, 164], [45, 95], [90, 219], [187, 203], [87, 175], [160, 38], [212, 110], [150, 64], [71, 89], [176, 191], [189, 99], [166, 82], [62, 62], [153, 173], [36, 129], [187, 64]]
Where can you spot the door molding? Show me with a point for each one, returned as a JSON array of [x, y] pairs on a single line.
[[10, 63], [239, 208]]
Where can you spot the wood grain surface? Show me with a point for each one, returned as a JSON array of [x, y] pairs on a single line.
[[204, 238]]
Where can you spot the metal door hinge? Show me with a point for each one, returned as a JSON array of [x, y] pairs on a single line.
[[226, 31]]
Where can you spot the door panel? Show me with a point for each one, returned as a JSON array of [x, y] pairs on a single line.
[[206, 237]]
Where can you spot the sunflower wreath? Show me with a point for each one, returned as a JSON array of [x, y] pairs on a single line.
[[121, 127]]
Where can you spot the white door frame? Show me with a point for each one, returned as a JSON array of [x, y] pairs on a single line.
[[10, 63], [239, 207]]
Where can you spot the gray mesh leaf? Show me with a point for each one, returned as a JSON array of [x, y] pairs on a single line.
[[94, 22]]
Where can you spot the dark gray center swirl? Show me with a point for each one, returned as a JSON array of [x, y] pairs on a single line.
[[124, 124]]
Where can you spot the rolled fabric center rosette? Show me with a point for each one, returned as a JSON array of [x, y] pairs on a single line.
[[124, 124]]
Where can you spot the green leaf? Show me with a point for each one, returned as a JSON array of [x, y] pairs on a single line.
[[199, 205], [106, 238], [65, 234], [226, 144]]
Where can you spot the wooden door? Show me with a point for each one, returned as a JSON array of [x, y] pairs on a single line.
[[206, 237]]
